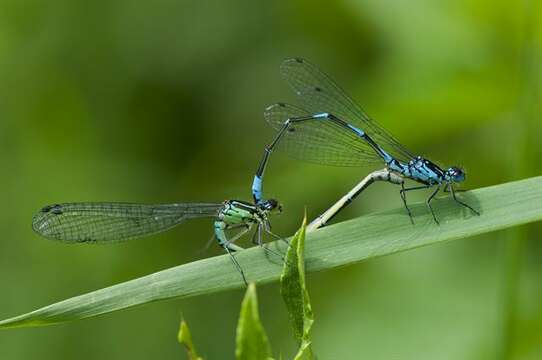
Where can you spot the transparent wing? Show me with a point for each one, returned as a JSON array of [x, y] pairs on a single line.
[[319, 93], [318, 140], [107, 222]]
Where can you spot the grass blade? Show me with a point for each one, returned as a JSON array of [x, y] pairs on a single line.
[[251, 338], [366, 237]]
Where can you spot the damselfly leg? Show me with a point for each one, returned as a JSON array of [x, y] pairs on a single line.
[[232, 248], [447, 188], [246, 228], [403, 191], [236, 263], [267, 229], [257, 239], [453, 191], [429, 203]]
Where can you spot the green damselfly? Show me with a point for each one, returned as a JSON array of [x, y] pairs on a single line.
[[108, 222]]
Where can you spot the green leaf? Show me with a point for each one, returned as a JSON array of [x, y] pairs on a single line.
[[295, 294], [251, 339], [305, 351], [293, 288], [185, 338], [349, 242]]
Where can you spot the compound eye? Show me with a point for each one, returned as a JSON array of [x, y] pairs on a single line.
[[456, 173], [269, 205]]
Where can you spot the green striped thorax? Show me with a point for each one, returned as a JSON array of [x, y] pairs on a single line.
[[242, 212]]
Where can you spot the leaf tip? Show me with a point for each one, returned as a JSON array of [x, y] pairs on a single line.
[[185, 338]]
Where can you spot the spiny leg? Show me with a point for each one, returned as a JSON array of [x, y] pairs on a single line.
[[403, 191], [461, 202], [236, 264], [267, 229], [257, 236], [278, 238], [403, 197], [257, 240], [228, 245], [429, 203], [246, 228]]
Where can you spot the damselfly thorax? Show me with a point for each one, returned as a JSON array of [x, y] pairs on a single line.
[[237, 212], [418, 169]]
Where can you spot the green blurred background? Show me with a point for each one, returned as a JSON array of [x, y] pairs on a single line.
[[161, 101]]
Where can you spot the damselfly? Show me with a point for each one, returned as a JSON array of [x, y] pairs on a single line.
[[100, 222], [332, 129]]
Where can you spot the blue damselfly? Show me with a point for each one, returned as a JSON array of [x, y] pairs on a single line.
[[332, 129]]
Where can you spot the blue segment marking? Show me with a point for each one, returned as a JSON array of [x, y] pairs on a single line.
[[257, 188], [356, 130], [321, 116], [387, 157]]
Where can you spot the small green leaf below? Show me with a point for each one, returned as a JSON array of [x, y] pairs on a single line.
[[252, 343], [185, 338], [295, 294], [304, 352]]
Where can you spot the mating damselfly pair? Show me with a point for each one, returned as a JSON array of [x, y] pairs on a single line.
[[328, 128]]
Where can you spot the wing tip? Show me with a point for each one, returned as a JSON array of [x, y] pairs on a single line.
[[41, 221], [293, 61]]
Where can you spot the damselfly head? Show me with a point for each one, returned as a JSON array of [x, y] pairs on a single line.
[[271, 205], [455, 174]]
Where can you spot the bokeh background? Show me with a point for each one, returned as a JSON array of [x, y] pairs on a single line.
[[161, 101]]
